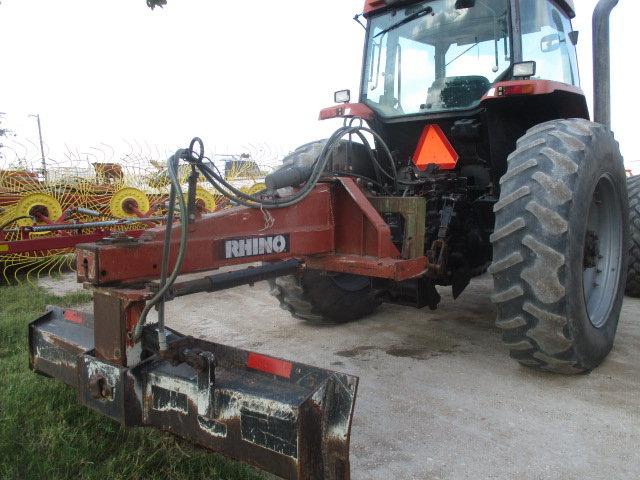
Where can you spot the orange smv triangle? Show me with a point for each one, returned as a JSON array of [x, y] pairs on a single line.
[[435, 149]]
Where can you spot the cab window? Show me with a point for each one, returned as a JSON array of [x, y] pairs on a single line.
[[547, 39]]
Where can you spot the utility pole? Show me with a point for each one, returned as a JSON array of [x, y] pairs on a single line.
[[44, 161]]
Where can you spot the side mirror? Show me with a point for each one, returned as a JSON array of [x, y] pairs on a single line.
[[342, 96], [550, 43]]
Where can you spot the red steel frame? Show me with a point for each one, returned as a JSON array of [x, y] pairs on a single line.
[[59, 242], [335, 229]]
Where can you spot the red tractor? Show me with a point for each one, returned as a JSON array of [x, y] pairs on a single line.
[[470, 149]]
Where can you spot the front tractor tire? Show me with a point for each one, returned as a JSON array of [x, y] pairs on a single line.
[[324, 297], [633, 278], [560, 246]]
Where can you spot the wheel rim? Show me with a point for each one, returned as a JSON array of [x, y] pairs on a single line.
[[602, 254]]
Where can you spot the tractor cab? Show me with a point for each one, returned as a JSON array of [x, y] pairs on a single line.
[[482, 72], [444, 56]]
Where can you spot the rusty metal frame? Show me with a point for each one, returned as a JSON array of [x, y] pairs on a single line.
[[336, 228], [287, 418], [414, 212]]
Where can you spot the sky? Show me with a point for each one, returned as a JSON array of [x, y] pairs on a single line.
[[245, 76]]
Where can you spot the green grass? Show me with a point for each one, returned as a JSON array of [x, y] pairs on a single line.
[[45, 433]]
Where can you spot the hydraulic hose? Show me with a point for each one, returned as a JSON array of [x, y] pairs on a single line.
[[166, 251], [241, 198], [266, 203], [176, 194]]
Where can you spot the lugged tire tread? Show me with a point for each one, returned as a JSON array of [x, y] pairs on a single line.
[[511, 323], [534, 131], [313, 297], [545, 166], [550, 220], [525, 147], [500, 265], [291, 296], [543, 274], [516, 171], [633, 278], [507, 295], [556, 188], [511, 198], [509, 229]]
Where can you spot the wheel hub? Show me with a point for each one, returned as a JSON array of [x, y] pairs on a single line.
[[591, 251], [130, 206], [602, 252], [39, 210]]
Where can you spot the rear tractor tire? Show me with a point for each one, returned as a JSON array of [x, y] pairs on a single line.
[[560, 246], [324, 297], [633, 278]]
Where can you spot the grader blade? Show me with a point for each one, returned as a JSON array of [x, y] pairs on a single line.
[[287, 418]]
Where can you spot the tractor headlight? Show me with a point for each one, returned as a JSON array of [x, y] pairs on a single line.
[[342, 96], [524, 69]]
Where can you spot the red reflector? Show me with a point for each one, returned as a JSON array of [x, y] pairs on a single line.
[[435, 149], [270, 365], [522, 89], [73, 317]]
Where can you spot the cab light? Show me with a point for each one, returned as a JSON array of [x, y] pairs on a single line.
[[522, 89]]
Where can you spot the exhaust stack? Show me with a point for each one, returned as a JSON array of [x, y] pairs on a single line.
[[602, 62]]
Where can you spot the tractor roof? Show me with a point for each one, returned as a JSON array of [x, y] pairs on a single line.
[[371, 6]]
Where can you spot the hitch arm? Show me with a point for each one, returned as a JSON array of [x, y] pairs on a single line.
[[224, 281]]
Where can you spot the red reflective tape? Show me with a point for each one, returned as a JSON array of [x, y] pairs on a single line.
[[265, 364], [73, 317]]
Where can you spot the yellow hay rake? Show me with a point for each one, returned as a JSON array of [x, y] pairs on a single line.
[[42, 219]]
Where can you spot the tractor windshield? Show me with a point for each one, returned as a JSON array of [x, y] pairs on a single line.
[[436, 56]]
